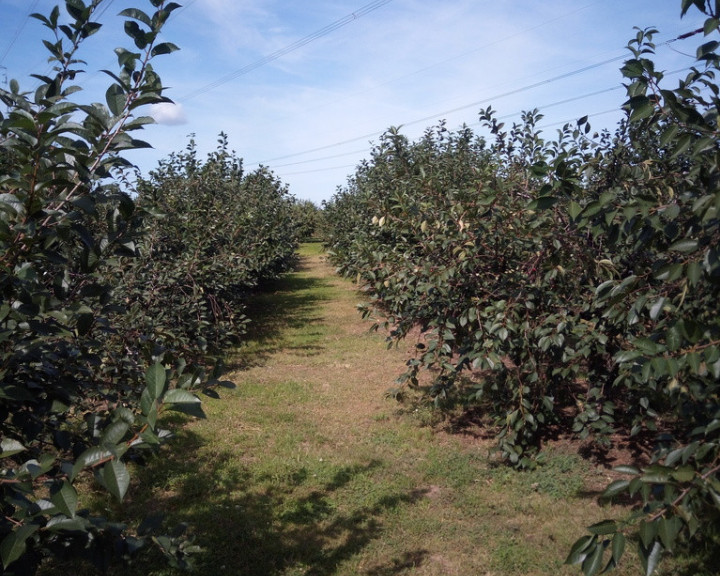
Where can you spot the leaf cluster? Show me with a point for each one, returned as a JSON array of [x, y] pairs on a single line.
[[115, 309], [566, 286], [221, 234]]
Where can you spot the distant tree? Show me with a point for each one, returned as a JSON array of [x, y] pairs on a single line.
[[306, 216]]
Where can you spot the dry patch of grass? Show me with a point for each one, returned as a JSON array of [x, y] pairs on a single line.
[[308, 468]]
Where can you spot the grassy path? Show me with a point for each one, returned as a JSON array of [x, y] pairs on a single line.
[[308, 468]]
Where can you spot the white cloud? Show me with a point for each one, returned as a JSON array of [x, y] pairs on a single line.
[[238, 25], [169, 114], [310, 114]]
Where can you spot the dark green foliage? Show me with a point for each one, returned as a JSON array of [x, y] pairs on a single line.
[[308, 219], [111, 306], [70, 401], [220, 233], [662, 229], [449, 236], [567, 286]]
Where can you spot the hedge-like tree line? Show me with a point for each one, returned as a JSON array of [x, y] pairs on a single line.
[[566, 285], [115, 308]]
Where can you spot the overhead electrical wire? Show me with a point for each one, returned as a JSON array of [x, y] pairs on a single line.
[[332, 157], [18, 31], [485, 46], [476, 103], [186, 5], [344, 21], [522, 32], [316, 170], [543, 107], [347, 166], [451, 111], [104, 9], [503, 117]]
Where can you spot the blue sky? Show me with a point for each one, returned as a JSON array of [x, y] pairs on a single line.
[[312, 114]]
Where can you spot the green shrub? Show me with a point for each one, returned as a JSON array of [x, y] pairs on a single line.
[[218, 234], [81, 393], [567, 285]]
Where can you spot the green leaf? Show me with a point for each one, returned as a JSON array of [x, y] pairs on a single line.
[[604, 527], [37, 468], [14, 544], [115, 432], [136, 33], [618, 546], [179, 396], [10, 447], [668, 530], [716, 497], [155, 377], [641, 108], [647, 532], [543, 203], [615, 488], [694, 273], [669, 134], [59, 524], [682, 145], [149, 408], [657, 308], [579, 551], [656, 475], [684, 474], [116, 99], [651, 560], [574, 209], [684, 245], [91, 457], [65, 499], [164, 48], [138, 15], [711, 24], [114, 476], [139, 122], [627, 356], [647, 346], [686, 4], [593, 563]]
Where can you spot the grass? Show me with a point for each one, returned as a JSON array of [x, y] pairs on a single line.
[[308, 468]]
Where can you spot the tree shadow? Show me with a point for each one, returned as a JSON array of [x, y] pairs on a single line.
[[291, 302], [250, 522], [265, 524]]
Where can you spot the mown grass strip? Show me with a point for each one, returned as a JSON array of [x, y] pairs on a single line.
[[307, 468]]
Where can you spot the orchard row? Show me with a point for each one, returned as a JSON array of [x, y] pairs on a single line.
[[564, 286]]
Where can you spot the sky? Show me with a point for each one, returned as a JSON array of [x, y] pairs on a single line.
[[306, 88]]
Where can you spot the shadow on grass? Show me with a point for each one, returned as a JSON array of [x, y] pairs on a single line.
[[270, 524], [290, 303]]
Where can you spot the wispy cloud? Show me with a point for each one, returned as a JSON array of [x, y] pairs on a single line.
[[410, 62], [239, 26], [169, 114]]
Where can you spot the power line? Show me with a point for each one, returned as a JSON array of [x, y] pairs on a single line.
[[18, 31], [453, 110], [474, 50], [316, 170], [503, 117], [436, 64], [104, 9], [287, 49], [333, 168], [186, 6], [484, 101], [319, 159]]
